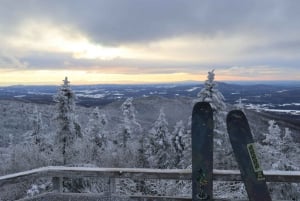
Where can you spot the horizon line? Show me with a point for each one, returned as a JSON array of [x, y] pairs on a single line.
[[153, 83]]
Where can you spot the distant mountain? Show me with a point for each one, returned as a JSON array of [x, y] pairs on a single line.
[[280, 100]]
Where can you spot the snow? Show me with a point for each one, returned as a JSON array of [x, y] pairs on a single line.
[[192, 89], [20, 96], [281, 91], [86, 91], [91, 95], [289, 104], [267, 108], [168, 140], [39, 93], [293, 112]]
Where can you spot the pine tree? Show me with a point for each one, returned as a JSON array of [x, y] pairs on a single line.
[[276, 151], [186, 161], [34, 136], [273, 135], [177, 142], [96, 132], [288, 145], [239, 104], [159, 149], [211, 94], [223, 156], [96, 128], [68, 130], [130, 124]]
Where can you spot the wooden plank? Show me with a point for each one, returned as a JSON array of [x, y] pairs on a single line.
[[139, 173], [57, 184]]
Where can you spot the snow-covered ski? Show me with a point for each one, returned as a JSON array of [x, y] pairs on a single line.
[[202, 151], [243, 147]]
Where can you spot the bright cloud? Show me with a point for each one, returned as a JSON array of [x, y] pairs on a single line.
[[46, 37]]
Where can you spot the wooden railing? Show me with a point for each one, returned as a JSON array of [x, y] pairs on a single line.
[[57, 173]]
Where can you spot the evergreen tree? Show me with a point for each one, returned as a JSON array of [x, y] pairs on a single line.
[[131, 126], [68, 130], [96, 132], [160, 153], [34, 136], [276, 151], [223, 156], [273, 136], [211, 94], [177, 142], [239, 104], [186, 161], [288, 145]]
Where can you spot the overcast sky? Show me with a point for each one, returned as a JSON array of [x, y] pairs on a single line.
[[130, 41]]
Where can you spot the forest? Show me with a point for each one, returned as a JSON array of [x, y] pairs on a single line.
[[152, 132]]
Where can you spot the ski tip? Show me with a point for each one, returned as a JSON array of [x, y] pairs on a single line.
[[235, 115], [236, 118], [202, 106]]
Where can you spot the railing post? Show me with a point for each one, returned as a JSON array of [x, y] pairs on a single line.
[[112, 185], [57, 184]]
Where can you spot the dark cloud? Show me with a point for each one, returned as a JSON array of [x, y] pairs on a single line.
[[131, 21], [283, 47]]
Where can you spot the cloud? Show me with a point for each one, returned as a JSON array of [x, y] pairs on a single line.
[[130, 21], [10, 62], [154, 37], [258, 73]]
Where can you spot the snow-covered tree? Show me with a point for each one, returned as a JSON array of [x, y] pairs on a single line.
[[159, 150], [96, 132], [68, 129], [273, 135], [178, 142], [37, 126], [278, 152], [223, 156], [38, 137], [130, 124], [211, 94], [239, 104], [96, 128], [34, 136], [288, 145], [186, 160]]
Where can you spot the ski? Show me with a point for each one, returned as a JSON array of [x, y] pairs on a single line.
[[243, 147], [202, 152]]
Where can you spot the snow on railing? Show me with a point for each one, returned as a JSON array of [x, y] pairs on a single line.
[[59, 172]]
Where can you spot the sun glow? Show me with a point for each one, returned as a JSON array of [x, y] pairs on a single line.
[[47, 37], [77, 77]]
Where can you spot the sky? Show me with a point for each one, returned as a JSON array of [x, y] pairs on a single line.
[[143, 41]]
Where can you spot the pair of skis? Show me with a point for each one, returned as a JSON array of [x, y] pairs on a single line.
[[243, 146]]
